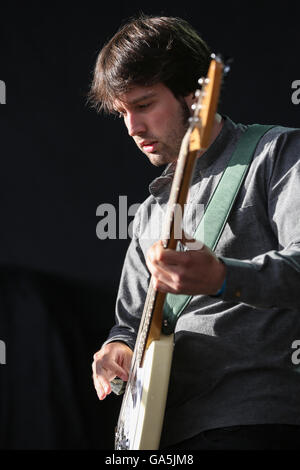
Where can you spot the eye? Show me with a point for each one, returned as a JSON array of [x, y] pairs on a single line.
[[144, 106]]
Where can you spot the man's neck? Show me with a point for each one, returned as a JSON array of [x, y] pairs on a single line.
[[217, 127]]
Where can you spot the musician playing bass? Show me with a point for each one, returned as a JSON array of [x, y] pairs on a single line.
[[233, 383]]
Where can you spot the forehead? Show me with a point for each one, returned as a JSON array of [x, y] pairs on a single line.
[[139, 93]]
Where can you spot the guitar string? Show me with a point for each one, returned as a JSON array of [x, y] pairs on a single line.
[[134, 365]]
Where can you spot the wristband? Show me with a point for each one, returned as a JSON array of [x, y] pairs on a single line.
[[220, 291]]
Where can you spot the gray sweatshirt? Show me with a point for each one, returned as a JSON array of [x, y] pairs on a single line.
[[234, 359]]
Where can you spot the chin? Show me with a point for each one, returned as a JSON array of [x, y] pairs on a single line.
[[157, 160]]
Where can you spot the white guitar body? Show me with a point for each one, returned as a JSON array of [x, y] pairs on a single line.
[[141, 418]]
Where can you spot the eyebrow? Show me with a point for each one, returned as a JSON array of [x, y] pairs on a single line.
[[142, 98], [134, 101]]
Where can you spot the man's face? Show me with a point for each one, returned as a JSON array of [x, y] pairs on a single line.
[[156, 120]]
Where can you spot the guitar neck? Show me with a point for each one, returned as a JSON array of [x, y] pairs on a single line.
[[151, 321]]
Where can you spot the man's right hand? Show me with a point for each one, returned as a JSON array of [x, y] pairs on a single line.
[[113, 360]]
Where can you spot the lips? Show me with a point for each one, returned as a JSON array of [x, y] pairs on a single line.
[[149, 146]]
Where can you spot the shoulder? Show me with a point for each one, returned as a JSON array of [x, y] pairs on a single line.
[[281, 145], [278, 146], [276, 156], [278, 153], [280, 135], [276, 133]]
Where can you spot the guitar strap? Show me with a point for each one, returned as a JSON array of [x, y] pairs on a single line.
[[217, 212]]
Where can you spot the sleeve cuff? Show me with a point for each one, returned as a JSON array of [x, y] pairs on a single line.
[[241, 282]]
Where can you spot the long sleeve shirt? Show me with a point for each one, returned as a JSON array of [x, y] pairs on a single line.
[[233, 356]]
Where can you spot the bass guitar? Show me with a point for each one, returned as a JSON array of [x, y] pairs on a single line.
[[142, 411]]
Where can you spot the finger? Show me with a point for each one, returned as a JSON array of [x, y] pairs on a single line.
[[103, 390], [102, 386], [154, 254], [170, 259], [162, 261], [110, 370], [160, 286], [127, 364], [170, 276], [173, 282], [164, 276], [159, 273]]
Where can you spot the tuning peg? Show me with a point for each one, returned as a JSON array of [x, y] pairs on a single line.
[[196, 106], [226, 69], [203, 81], [227, 65], [217, 57]]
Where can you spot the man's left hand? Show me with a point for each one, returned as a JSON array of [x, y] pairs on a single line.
[[192, 272]]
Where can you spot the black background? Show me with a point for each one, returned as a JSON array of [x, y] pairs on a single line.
[[60, 160]]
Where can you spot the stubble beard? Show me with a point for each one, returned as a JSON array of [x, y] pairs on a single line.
[[170, 148]]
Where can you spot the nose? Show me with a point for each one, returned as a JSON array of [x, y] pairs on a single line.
[[135, 124]]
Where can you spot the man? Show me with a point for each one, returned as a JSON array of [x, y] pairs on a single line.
[[233, 382]]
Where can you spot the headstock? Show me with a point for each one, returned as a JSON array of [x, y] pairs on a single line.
[[206, 106]]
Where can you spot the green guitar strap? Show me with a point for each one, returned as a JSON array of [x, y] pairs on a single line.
[[217, 212]]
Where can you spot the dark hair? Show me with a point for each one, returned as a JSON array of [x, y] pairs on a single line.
[[145, 51]]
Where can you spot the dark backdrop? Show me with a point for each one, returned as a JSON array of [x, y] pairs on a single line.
[[60, 161]]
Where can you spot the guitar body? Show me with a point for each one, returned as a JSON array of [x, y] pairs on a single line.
[[140, 422]]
